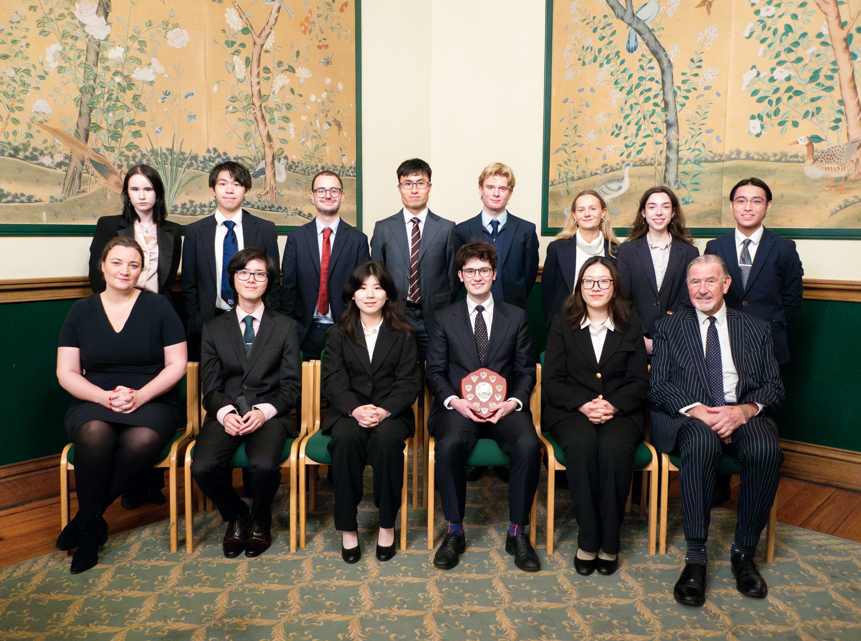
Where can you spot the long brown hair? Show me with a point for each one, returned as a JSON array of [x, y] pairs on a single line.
[[350, 321], [676, 226], [570, 228], [619, 308]]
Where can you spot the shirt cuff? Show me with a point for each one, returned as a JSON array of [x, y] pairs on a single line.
[[224, 411], [685, 410], [518, 401], [269, 411], [446, 402]]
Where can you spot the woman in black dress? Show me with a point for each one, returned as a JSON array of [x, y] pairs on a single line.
[[120, 354], [370, 376]]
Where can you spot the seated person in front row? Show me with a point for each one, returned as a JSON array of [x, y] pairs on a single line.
[[713, 376], [370, 376], [250, 381], [473, 333]]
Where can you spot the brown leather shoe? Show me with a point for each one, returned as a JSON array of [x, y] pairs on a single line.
[[259, 538], [234, 538]]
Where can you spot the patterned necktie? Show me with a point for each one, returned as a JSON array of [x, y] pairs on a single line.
[[744, 262], [249, 333], [495, 233], [714, 365], [230, 247], [415, 294], [481, 340], [323, 299]]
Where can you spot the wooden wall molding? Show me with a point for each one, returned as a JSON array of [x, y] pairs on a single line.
[[29, 481], [820, 464]]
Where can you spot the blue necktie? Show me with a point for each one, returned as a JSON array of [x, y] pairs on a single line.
[[714, 366], [494, 234], [249, 332], [231, 246]]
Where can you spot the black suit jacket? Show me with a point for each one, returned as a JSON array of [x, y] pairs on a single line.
[[558, 277], [452, 353], [270, 373], [300, 271], [774, 287], [679, 378], [517, 254], [350, 379], [169, 239], [572, 376], [640, 285], [198, 264]]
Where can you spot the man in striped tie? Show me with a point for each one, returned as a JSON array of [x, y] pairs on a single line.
[[714, 382]]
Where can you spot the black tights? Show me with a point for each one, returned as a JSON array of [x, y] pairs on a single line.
[[109, 458]]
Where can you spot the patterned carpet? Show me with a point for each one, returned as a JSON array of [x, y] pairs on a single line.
[[140, 590]]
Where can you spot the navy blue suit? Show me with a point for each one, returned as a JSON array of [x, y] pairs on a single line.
[[517, 254], [559, 275], [774, 287]]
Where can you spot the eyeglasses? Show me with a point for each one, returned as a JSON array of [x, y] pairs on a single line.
[[484, 272], [602, 283], [244, 274], [742, 201], [322, 191], [408, 185]]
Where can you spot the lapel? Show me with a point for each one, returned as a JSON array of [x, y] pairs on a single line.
[[476, 231], [208, 235], [432, 227], [567, 254], [505, 239], [644, 256], [499, 329], [676, 261], [165, 255], [312, 249], [399, 228], [465, 335], [611, 343], [341, 238], [583, 340], [727, 251], [128, 231], [360, 349], [385, 341], [736, 343], [260, 340], [696, 349], [235, 338], [766, 244], [249, 230]]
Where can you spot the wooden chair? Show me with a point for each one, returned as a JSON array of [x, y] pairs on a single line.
[[289, 456], [728, 465], [486, 453], [314, 451], [169, 457]]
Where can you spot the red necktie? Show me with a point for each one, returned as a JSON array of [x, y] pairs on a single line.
[[415, 295], [323, 300]]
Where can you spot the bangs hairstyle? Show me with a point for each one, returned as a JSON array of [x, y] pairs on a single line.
[[496, 169], [570, 228], [121, 241], [159, 210], [754, 182], [619, 308], [477, 250], [676, 226], [237, 171], [350, 321], [414, 167], [326, 172], [242, 258]]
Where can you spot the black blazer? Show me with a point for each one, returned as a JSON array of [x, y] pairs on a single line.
[[572, 376], [300, 271], [270, 373], [640, 285], [517, 253], [679, 378], [774, 287], [350, 379], [452, 353], [558, 277], [198, 264], [169, 250]]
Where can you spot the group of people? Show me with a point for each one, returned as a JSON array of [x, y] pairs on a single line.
[[385, 321]]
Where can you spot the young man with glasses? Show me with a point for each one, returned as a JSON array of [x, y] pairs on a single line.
[[418, 248], [318, 260]]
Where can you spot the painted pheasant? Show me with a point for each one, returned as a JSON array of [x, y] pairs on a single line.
[[835, 162]]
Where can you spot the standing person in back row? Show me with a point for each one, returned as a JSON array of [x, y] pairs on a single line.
[[418, 247], [514, 239]]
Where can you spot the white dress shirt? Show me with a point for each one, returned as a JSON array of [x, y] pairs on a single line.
[[220, 233], [660, 259], [486, 218], [319, 318], [598, 334], [148, 241], [408, 219], [371, 334], [755, 237]]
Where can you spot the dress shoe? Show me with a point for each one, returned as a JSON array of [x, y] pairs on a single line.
[[690, 589], [748, 580], [234, 538], [606, 566], [524, 554], [584, 567], [89, 542], [132, 499], [70, 535], [385, 552], [352, 555], [258, 537], [452, 546], [155, 497]]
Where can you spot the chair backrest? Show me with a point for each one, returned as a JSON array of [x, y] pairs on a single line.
[[313, 398], [192, 397], [535, 398]]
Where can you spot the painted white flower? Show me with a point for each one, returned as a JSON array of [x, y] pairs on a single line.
[[10, 72], [709, 34], [780, 73], [117, 79], [215, 88], [591, 136], [754, 128], [270, 41], [59, 157], [673, 52], [767, 12], [239, 68], [16, 17], [42, 107], [313, 98], [157, 67], [747, 76], [748, 29], [616, 96], [233, 19], [144, 75], [303, 73], [761, 51], [317, 122], [281, 81], [52, 61], [304, 117], [672, 5], [601, 118], [46, 160], [824, 29], [811, 50], [98, 28], [116, 53], [328, 81], [340, 86], [177, 38], [86, 11]]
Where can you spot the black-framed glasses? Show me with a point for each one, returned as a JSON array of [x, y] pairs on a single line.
[[244, 274], [322, 191], [421, 185], [484, 272], [603, 283]]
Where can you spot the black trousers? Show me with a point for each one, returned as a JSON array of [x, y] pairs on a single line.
[[755, 444], [211, 469], [598, 463], [312, 346], [456, 436], [352, 447], [416, 319]]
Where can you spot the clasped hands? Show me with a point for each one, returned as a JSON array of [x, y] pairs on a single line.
[[723, 420], [598, 411], [237, 425], [468, 410], [125, 400], [369, 416]]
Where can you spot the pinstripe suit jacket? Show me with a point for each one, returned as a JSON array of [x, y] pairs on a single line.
[[679, 379]]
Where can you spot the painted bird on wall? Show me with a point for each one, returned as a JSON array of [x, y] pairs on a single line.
[[835, 162], [646, 13]]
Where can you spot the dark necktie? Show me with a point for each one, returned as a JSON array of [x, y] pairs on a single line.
[[230, 247], [323, 299], [714, 366], [480, 334], [744, 262], [249, 333], [415, 243], [494, 234]]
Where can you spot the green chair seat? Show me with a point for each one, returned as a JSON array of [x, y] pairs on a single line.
[[161, 455], [487, 453], [240, 457], [642, 457], [728, 464]]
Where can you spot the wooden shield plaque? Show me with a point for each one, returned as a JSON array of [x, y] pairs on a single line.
[[484, 389]]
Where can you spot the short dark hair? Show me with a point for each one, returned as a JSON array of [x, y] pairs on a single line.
[[159, 210], [242, 258], [412, 167], [477, 250], [756, 182], [326, 172], [236, 170], [121, 241], [619, 308], [350, 320]]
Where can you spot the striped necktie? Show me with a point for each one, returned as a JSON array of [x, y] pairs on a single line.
[[415, 244], [744, 262]]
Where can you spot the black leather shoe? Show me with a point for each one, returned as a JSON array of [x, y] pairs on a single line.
[[748, 580], [132, 499], [584, 567], [605, 566], [524, 554], [234, 538], [452, 546], [70, 535], [87, 554], [690, 589], [385, 552], [258, 538], [352, 555]]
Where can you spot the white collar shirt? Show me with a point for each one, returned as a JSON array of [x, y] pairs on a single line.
[[598, 334], [371, 334], [755, 239]]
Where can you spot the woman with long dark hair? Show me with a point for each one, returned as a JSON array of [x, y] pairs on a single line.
[[370, 376]]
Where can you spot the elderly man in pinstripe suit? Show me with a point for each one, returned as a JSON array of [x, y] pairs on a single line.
[[713, 380]]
